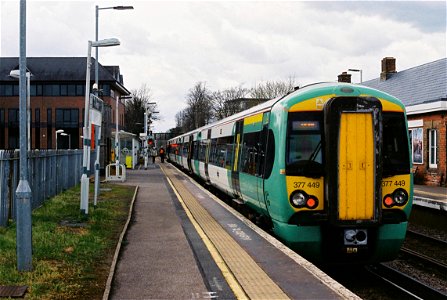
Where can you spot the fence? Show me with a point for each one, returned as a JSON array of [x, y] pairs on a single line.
[[49, 173]]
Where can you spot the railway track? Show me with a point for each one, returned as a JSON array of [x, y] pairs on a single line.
[[412, 287], [425, 259], [426, 238]]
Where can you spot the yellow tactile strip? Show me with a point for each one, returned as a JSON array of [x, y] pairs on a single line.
[[252, 279]]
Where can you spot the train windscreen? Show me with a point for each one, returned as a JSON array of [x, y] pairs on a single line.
[[304, 156], [395, 153]]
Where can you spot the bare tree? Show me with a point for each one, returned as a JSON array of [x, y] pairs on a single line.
[[273, 89], [135, 108], [226, 102], [199, 110]]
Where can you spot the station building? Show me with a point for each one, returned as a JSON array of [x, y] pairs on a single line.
[[423, 90], [57, 101]]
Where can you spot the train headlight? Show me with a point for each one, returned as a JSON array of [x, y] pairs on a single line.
[[298, 199], [400, 196]]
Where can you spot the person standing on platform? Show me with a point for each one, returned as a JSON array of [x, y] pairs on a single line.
[[153, 154], [161, 152]]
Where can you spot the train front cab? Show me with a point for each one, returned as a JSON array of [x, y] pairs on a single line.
[[348, 179]]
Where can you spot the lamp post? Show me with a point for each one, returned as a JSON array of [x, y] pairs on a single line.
[[357, 70], [96, 35], [96, 91], [16, 74], [87, 127], [147, 117], [61, 131], [23, 191]]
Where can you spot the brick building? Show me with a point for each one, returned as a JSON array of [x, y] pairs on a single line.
[[423, 90], [57, 89]]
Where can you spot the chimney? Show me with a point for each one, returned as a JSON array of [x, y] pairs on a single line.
[[344, 77], [388, 68]]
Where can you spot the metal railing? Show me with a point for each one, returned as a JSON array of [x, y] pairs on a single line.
[[50, 172]]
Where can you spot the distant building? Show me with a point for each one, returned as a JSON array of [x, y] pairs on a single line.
[[57, 100], [423, 90]]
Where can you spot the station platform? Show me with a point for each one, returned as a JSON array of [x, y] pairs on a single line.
[[434, 197], [183, 243]]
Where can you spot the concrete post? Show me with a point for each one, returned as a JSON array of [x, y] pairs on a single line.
[[23, 191]]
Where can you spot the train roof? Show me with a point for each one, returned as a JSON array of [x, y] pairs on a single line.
[[307, 91]]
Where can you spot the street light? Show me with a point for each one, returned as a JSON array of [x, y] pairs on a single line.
[[16, 74], [147, 116], [96, 36], [61, 131], [87, 128], [357, 70], [96, 92]]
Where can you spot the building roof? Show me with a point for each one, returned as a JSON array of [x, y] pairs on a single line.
[[59, 69], [421, 84]]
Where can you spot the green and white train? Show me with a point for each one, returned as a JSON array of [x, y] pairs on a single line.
[[328, 165]]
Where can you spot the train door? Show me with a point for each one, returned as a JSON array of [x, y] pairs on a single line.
[[356, 167], [261, 160], [207, 156], [239, 127], [190, 152], [353, 153]]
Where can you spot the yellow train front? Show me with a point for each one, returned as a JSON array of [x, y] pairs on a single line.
[[342, 158]]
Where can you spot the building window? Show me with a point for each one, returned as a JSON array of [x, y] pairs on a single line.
[[79, 90], [37, 128], [36, 90], [13, 128], [432, 151], [2, 128], [64, 90], [71, 90], [67, 118], [16, 90], [49, 129], [417, 145], [7, 90]]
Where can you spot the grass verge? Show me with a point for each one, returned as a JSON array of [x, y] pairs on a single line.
[[71, 254]]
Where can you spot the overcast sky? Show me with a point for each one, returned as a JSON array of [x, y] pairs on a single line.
[[170, 45]]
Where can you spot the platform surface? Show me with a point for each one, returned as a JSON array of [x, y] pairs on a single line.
[[430, 196], [183, 243]]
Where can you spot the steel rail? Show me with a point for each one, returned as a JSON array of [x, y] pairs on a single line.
[[412, 287]]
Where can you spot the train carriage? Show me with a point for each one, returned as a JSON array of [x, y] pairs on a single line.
[[328, 165]]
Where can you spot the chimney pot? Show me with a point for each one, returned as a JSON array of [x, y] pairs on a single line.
[[388, 68], [344, 77]]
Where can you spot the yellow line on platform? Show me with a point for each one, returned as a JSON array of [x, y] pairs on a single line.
[[245, 277], [232, 282]]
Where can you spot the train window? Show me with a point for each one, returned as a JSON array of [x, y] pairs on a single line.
[[270, 155], [250, 153], [202, 151], [196, 150], [213, 152], [395, 151], [304, 155], [185, 149], [220, 152]]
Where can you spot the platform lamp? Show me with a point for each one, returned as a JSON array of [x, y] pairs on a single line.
[[87, 128]]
